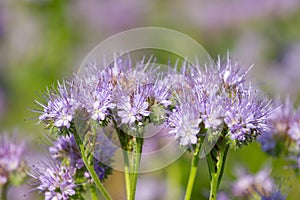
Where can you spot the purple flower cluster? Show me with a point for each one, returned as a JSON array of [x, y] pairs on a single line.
[[284, 136], [134, 95], [121, 91], [219, 99], [254, 186], [133, 109], [11, 161], [61, 106], [59, 180], [258, 185], [185, 120], [65, 150], [56, 181]]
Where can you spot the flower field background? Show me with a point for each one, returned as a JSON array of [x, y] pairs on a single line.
[[42, 41]]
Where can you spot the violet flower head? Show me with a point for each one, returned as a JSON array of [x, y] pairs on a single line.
[[294, 132], [213, 113], [100, 169], [133, 109], [56, 181], [259, 185], [225, 102], [60, 107], [98, 100], [162, 93], [10, 159], [184, 122], [283, 138], [65, 149], [247, 116]]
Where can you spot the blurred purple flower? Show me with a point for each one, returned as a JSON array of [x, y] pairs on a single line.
[[259, 185], [10, 158], [222, 196], [65, 151], [294, 132], [284, 134], [122, 14], [287, 71], [234, 12]]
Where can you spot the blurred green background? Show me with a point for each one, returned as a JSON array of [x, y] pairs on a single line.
[[42, 41]]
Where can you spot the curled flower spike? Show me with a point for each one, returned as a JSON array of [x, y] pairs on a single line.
[[65, 149], [66, 152]]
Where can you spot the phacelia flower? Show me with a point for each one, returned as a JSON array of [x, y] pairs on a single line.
[[247, 116], [284, 130], [56, 181], [96, 95], [184, 122], [60, 107], [133, 109], [259, 185], [11, 161], [65, 149], [224, 100]]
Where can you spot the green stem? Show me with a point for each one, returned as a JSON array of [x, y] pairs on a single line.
[[136, 165], [127, 174], [216, 160], [193, 173], [93, 192], [90, 168], [4, 191]]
